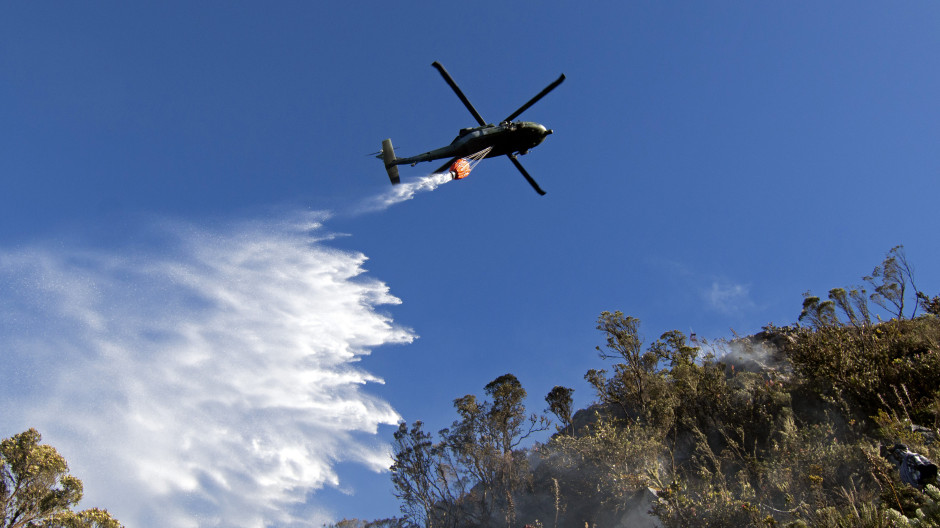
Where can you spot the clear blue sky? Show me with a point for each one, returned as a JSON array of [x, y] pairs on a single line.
[[162, 164]]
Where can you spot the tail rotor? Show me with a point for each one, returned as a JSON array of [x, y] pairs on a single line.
[[388, 156]]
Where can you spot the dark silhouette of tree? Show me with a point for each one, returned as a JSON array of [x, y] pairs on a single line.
[[472, 475], [559, 403]]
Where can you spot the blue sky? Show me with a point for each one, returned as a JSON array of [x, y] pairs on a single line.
[[207, 324]]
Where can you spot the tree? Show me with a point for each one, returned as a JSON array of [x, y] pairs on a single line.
[[486, 441], [559, 403], [427, 480], [477, 468], [634, 378], [889, 282], [931, 306], [894, 273], [37, 490], [819, 313], [413, 473]]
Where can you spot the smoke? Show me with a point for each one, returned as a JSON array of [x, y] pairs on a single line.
[[212, 383], [750, 354], [728, 298], [403, 192]]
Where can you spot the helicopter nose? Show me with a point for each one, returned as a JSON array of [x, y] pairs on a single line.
[[540, 129], [549, 131]]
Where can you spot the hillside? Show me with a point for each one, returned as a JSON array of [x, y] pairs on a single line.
[[815, 424]]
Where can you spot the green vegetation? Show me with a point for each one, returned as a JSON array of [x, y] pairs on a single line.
[[36, 489], [783, 428]]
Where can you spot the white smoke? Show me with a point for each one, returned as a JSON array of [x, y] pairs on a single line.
[[212, 384], [748, 354], [403, 192], [728, 298]]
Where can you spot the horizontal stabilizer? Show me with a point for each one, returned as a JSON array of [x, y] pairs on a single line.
[[388, 156]]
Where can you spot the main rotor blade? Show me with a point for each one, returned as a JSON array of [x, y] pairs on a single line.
[[525, 173], [535, 99], [456, 89]]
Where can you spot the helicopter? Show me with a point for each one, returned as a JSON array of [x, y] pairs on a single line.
[[509, 138]]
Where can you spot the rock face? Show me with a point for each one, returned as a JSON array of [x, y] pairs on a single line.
[[638, 511], [916, 469]]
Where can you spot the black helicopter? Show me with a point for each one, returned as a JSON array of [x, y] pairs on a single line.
[[508, 138]]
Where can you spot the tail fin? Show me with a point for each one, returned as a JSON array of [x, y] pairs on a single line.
[[388, 156]]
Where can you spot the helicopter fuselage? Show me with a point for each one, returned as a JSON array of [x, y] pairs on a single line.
[[505, 139]]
